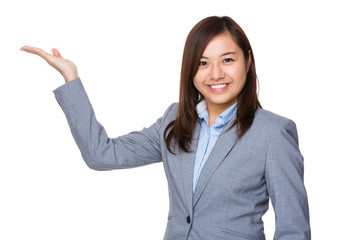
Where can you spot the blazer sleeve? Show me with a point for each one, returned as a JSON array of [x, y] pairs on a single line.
[[98, 150], [284, 178]]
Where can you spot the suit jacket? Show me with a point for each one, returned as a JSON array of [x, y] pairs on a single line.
[[235, 183]]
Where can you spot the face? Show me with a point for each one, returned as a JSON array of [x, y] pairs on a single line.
[[222, 72]]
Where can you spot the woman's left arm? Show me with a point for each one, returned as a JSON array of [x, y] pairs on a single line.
[[285, 181]]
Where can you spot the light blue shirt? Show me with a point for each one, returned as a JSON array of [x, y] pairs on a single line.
[[209, 135]]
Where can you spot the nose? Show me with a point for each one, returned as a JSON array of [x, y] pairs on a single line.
[[216, 72]]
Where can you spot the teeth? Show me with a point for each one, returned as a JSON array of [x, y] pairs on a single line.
[[218, 86]]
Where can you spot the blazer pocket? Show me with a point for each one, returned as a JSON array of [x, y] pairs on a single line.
[[241, 235]]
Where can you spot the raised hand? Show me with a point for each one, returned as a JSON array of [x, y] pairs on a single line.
[[64, 66]]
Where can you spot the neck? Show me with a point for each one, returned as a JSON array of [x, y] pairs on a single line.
[[214, 110]]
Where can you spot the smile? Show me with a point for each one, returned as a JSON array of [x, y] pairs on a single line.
[[218, 87]]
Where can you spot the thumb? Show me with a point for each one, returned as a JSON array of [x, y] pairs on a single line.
[[56, 53]]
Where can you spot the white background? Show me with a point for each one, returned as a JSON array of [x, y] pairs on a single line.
[[128, 55]]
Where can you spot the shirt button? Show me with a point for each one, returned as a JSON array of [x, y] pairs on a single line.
[[188, 219]]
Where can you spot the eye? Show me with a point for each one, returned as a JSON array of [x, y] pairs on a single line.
[[228, 60], [203, 63]]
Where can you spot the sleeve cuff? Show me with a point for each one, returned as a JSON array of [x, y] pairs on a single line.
[[71, 94], [67, 85]]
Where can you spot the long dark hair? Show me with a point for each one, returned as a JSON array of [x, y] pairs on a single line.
[[181, 129]]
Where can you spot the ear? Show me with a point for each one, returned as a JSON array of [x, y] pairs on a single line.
[[248, 62]]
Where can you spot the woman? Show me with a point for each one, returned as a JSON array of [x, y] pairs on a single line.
[[223, 155]]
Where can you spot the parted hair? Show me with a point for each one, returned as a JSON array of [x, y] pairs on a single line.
[[180, 131]]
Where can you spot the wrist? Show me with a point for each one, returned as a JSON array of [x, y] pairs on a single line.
[[70, 78]]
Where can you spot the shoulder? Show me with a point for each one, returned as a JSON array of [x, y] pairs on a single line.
[[167, 117], [269, 122], [171, 112], [270, 117]]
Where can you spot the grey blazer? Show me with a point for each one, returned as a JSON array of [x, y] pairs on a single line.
[[234, 186]]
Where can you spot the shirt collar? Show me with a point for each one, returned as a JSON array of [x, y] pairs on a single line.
[[222, 119]]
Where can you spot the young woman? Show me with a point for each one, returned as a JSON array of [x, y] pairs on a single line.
[[224, 156]]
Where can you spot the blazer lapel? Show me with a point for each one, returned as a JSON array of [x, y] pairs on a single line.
[[223, 146], [187, 166]]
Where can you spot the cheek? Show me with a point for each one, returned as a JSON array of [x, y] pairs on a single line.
[[239, 75], [197, 80], [196, 84]]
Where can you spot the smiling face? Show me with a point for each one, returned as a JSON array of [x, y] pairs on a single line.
[[222, 73]]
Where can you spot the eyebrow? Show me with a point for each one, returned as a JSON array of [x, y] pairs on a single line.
[[224, 54]]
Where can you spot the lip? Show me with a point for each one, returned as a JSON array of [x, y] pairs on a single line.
[[218, 89]]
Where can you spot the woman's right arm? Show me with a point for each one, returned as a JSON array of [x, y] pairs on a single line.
[[98, 150]]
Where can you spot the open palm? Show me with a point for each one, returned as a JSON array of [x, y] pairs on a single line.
[[64, 66]]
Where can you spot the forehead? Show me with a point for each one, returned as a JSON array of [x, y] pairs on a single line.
[[220, 44]]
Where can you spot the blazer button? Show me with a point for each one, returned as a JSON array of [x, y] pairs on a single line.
[[188, 219]]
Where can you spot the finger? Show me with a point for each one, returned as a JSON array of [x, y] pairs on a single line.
[[24, 48], [41, 53], [29, 49], [37, 51], [56, 52]]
